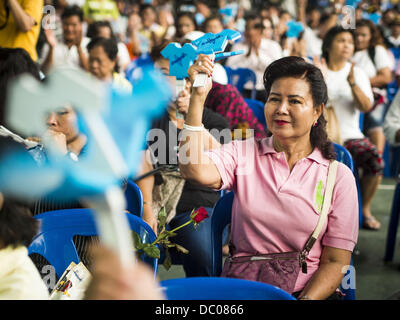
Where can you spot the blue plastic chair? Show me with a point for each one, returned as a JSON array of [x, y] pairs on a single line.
[[258, 109], [396, 52], [216, 288], [361, 121], [393, 225], [57, 228], [392, 88], [239, 77], [391, 157], [222, 216], [134, 199], [386, 158], [394, 161], [343, 155]]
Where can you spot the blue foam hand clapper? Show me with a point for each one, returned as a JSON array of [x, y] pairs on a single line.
[[129, 116], [213, 43], [115, 124], [180, 58]]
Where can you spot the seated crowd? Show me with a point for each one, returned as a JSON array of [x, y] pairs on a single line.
[[322, 79]]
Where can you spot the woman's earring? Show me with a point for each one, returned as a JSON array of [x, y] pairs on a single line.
[[316, 123]]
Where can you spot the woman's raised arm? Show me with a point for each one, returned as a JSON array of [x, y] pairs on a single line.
[[194, 164]]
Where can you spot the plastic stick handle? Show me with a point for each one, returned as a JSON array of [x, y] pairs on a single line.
[[201, 78], [223, 55], [113, 224]]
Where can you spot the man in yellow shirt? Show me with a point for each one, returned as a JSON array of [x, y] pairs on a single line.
[[20, 24]]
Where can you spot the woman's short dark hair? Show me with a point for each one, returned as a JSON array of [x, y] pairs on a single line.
[[71, 11], [255, 16], [13, 62], [181, 14], [297, 67], [109, 46], [94, 29], [214, 16], [17, 226], [146, 6], [330, 36]]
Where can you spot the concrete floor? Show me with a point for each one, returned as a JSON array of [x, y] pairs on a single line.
[[375, 280]]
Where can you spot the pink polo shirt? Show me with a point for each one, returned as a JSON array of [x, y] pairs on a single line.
[[275, 210]]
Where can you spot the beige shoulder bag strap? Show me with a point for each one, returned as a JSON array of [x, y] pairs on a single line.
[[330, 184]]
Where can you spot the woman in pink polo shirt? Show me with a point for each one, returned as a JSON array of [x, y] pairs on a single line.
[[279, 182]]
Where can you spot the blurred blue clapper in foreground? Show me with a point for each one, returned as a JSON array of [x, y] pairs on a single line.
[[228, 12], [115, 124], [182, 57]]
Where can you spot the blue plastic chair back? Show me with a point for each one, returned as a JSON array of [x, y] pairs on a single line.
[[396, 53], [386, 158], [391, 158], [344, 156], [258, 109], [393, 225], [239, 77], [394, 160], [215, 288], [221, 217], [134, 199], [361, 121], [391, 88], [57, 228]]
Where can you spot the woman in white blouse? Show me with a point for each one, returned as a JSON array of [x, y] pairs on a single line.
[[259, 53], [350, 92], [373, 58]]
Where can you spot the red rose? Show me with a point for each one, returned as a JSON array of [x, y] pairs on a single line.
[[199, 215]]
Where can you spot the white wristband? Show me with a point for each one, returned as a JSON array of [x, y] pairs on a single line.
[[191, 128]]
